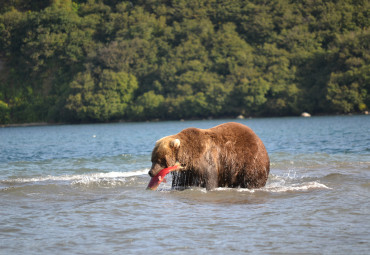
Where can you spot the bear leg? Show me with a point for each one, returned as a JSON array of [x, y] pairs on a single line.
[[211, 178]]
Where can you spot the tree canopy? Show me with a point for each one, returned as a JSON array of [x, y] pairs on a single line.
[[108, 60]]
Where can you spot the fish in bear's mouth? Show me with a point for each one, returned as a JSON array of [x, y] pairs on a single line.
[[157, 179]]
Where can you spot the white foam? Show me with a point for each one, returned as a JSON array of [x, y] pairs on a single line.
[[80, 178], [276, 187], [232, 189]]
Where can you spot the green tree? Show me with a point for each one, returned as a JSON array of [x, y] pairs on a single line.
[[102, 99], [280, 75], [148, 106], [4, 113], [349, 82], [102, 60]]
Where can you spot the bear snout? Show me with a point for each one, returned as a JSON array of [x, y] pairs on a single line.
[[155, 169], [151, 173]]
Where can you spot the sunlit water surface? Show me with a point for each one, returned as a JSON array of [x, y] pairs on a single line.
[[80, 189]]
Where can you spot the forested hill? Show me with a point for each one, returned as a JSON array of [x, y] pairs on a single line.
[[107, 60]]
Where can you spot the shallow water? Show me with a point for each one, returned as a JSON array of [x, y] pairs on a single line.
[[80, 189]]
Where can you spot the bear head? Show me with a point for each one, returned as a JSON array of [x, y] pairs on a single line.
[[164, 154]]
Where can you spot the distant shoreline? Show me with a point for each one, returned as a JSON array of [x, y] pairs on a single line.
[[40, 124], [31, 124]]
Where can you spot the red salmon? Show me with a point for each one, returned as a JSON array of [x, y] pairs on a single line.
[[156, 180]]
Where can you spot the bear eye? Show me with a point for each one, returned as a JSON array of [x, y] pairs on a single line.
[[162, 162]]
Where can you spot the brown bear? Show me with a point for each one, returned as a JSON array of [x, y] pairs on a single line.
[[228, 155]]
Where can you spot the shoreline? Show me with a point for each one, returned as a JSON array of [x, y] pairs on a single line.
[[40, 124], [31, 124]]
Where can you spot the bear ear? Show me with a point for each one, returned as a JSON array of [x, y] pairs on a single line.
[[175, 143]]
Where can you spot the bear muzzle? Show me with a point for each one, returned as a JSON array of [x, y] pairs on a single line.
[[151, 173], [156, 168]]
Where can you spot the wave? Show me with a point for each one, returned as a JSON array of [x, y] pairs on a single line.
[[77, 179], [112, 178], [295, 187], [291, 181]]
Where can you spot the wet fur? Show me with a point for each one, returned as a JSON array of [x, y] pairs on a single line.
[[228, 155]]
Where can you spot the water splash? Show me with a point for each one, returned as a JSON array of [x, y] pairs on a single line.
[[277, 187], [287, 182]]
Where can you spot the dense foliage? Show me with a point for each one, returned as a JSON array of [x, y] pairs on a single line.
[[106, 60]]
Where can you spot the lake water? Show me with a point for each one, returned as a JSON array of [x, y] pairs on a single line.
[[81, 189]]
